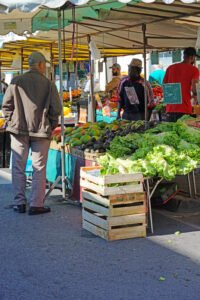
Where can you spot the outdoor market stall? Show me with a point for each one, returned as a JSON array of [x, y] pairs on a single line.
[[146, 38]]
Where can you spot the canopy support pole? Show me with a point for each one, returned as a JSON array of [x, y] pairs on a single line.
[[1, 88], [22, 59], [51, 63], [91, 102], [61, 99], [64, 178], [106, 69], [145, 70]]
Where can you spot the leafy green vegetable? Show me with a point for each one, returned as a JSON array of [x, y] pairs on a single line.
[[168, 150], [121, 146], [188, 134], [168, 138]]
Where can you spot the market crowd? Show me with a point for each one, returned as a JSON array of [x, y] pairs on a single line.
[[130, 90]]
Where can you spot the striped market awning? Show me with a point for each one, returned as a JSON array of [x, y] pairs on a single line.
[[30, 5]]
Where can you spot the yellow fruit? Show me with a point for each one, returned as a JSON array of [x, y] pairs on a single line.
[[2, 121], [66, 111]]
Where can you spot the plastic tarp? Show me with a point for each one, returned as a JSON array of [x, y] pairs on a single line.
[[48, 19], [116, 31], [30, 5], [11, 37]]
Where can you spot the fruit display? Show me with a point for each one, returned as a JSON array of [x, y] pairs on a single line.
[[75, 94], [67, 111], [157, 92], [56, 134], [96, 137]]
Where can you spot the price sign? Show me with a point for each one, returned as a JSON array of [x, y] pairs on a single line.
[[172, 93]]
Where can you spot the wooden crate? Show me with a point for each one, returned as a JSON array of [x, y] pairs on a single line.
[[92, 156], [114, 217], [129, 183]]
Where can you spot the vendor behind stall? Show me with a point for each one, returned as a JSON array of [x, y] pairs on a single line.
[[111, 87], [187, 75], [87, 87]]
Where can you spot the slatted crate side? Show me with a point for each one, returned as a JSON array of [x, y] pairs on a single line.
[[103, 205], [98, 226], [114, 199], [111, 223], [127, 233], [128, 209], [98, 231], [109, 179], [95, 208], [94, 218], [113, 210], [119, 221], [106, 191], [127, 198], [91, 196]]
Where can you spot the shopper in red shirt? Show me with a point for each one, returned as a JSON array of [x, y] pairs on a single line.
[[187, 75]]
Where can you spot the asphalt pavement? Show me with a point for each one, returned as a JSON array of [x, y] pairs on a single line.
[[47, 257]]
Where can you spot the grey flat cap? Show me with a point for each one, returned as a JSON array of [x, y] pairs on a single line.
[[36, 57]]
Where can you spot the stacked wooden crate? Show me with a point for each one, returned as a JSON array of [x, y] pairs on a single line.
[[114, 206]]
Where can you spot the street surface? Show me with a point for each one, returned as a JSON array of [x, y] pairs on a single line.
[[50, 256]]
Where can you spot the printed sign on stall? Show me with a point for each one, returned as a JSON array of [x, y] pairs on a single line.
[[172, 93]]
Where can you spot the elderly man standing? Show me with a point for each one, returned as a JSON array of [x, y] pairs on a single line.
[[31, 106]]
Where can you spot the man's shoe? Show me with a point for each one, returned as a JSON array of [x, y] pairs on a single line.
[[38, 210], [21, 208]]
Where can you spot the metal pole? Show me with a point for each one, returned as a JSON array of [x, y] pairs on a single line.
[[194, 183], [106, 69], [189, 185], [52, 66], [91, 104], [61, 99], [1, 88], [22, 58], [149, 206], [145, 70]]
